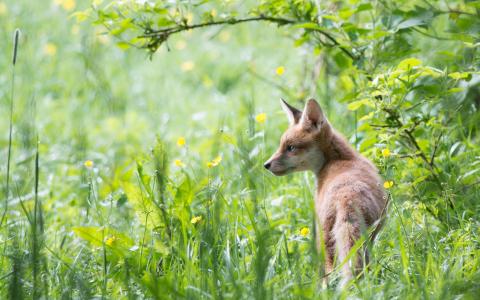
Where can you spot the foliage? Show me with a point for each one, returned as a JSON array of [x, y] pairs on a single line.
[[90, 213]]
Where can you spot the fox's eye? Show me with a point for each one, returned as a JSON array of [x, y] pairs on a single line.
[[290, 148]]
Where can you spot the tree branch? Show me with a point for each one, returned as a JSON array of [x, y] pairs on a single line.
[[157, 37]]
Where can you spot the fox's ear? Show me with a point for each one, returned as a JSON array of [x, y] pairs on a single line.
[[293, 114], [312, 116]]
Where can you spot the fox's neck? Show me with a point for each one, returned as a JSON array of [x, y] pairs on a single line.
[[334, 147]]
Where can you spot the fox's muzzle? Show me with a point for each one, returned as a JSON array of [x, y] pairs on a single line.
[[276, 165]]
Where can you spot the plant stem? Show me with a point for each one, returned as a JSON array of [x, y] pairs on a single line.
[[16, 36]]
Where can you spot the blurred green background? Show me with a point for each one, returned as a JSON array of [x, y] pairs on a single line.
[[129, 210]]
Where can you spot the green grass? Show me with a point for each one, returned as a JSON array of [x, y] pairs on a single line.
[[123, 228]]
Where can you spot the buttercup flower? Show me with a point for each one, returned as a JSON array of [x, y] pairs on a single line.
[[179, 163], [388, 184], [88, 164], [261, 118], [304, 231], [50, 49], [109, 241], [386, 152], [196, 219], [280, 70], [68, 5], [181, 141], [215, 162]]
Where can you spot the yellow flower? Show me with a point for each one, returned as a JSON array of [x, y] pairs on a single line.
[[109, 241], [195, 220], [88, 164], [181, 141], [304, 231], [187, 66], [179, 163], [261, 118], [388, 184], [386, 152], [280, 70], [68, 5], [50, 49], [3, 9], [215, 162]]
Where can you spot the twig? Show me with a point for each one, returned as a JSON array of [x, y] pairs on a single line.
[[435, 148], [431, 35], [161, 35], [180, 28]]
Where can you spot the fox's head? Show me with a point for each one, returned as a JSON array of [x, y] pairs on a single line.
[[300, 145]]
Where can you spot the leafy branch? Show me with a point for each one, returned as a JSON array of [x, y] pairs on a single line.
[[407, 134], [158, 37]]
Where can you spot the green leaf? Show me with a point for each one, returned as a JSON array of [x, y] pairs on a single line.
[[367, 117], [123, 45], [357, 104], [419, 179], [364, 7], [460, 75], [410, 23], [331, 17], [310, 25], [455, 90], [81, 16], [345, 13], [98, 236], [409, 63]]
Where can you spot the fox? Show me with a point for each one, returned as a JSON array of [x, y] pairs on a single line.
[[349, 198]]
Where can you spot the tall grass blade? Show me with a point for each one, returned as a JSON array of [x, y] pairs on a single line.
[[37, 230], [16, 36]]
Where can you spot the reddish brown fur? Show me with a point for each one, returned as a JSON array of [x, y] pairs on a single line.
[[349, 196]]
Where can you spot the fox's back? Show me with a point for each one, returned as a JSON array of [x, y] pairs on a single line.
[[353, 186]]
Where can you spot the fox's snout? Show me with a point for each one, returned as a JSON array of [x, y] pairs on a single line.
[[276, 165], [271, 162]]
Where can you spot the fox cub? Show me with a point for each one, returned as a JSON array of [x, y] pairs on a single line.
[[349, 197]]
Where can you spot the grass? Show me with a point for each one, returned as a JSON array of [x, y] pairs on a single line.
[[122, 227]]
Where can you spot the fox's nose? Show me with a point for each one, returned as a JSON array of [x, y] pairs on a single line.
[[267, 165]]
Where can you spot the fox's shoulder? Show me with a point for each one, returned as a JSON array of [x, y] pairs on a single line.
[[352, 175], [351, 167]]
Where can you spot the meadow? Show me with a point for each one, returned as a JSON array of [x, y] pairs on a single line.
[[132, 173]]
